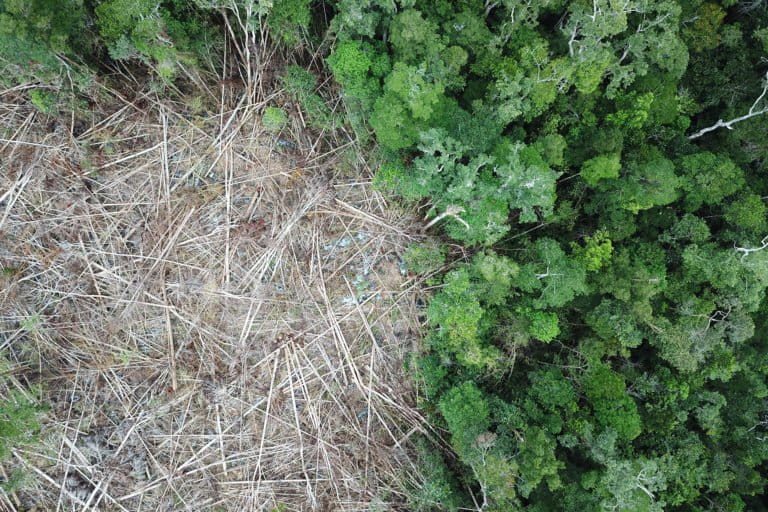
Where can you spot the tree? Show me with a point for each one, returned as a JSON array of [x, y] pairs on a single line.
[[526, 180], [703, 32], [648, 183], [709, 178], [34, 32], [757, 109], [596, 251], [601, 167], [747, 212], [632, 485], [603, 359], [613, 320], [554, 277], [613, 408], [466, 412]]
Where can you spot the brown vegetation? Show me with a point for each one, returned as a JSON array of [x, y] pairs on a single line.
[[218, 322]]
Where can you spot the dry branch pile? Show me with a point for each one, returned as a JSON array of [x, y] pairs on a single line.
[[217, 315]]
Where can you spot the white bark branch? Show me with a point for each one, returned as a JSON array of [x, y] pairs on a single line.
[[573, 39], [546, 274], [748, 250], [451, 211], [729, 124]]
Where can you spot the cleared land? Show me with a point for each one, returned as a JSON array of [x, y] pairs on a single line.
[[218, 316]]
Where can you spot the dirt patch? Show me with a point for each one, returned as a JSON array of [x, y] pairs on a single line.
[[218, 315]]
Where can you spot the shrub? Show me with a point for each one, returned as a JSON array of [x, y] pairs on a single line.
[[43, 100], [163, 35], [274, 119], [301, 85], [34, 33], [19, 422], [425, 257]]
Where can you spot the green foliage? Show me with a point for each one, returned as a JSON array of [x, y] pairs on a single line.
[[551, 277], [438, 489], [613, 321], [44, 22], [458, 315], [457, 307], [477, 196], [165, 36], [301, 85], [458, 312], [552, 390], [274, 119], [35, 35], [687, 228], [42, 100], [414, 37], [633, 113], [527, 180], [703, 32], [350, 64], [425, 257], [551, 148], [394, 125], [600, 168], [19, 423], [648, 183], [602, 346], [709, 178], [606, 392], [134, 29], [494, 275], [289, 20], [409, 99], [542, 326], [468, 415], [747, 212], [418, 94], [34, 32], [595, 252]]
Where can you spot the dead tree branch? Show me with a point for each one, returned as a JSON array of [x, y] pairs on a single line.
[[729, 124]]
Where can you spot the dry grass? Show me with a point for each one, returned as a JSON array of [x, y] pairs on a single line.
[[218, 318]]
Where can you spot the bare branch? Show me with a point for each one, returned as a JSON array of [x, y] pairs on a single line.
[[546, 274], [729, 124], [451, 211], [748, 250]]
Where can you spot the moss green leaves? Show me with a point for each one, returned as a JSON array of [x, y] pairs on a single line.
[[601, 167], [552, 277], [709, 178], [457, 315], [18, 422], [596, 251], [467, 413], [34, 32], [527, 180], [648, 183], [274, 119], [607, 311], [613, 408], [424, 258]]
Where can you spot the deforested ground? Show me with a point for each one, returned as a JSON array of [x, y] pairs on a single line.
[[217, 316]]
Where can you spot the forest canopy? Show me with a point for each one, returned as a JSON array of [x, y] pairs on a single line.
[[603, 346], [600, 342]]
